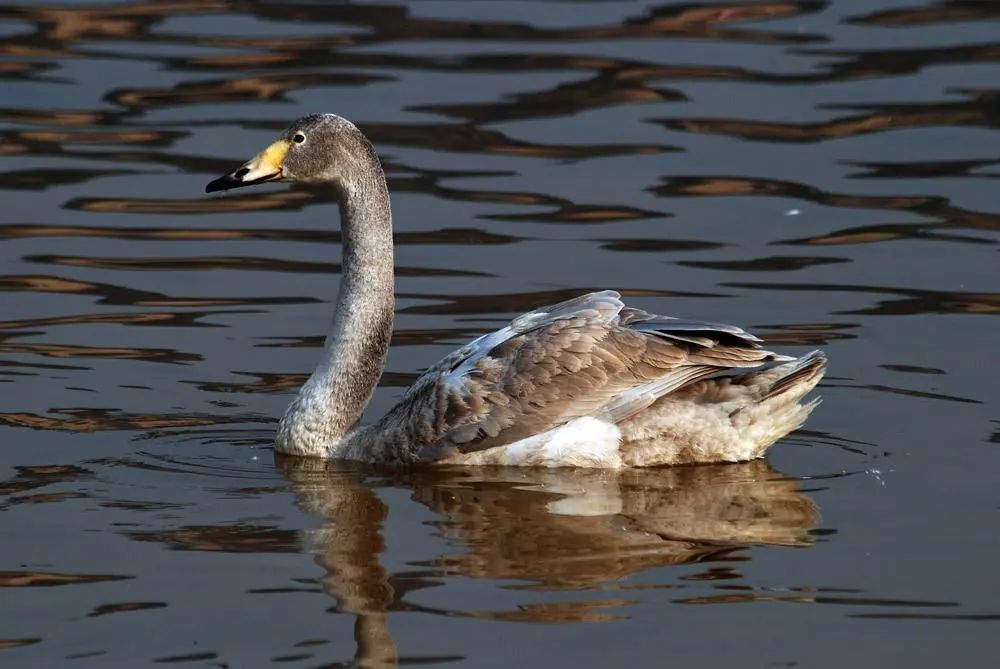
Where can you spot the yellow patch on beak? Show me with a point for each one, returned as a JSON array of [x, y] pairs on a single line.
[[268, 161], [265, 166]]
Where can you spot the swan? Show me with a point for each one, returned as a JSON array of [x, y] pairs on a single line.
[[589, 382]]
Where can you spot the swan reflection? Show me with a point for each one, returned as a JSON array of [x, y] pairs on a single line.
[[560, 529]]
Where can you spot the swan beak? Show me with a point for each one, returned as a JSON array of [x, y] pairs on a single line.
[[265, 166]]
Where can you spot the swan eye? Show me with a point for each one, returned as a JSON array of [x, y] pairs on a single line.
[[299, 138]]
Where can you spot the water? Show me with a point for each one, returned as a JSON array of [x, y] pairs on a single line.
[[823, 173]]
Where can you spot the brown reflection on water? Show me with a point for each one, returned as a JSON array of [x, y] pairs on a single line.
[[769, 264], [556, 530], [943, 11], [655, 245], [348, 547], [263, 383], [268, 382], [562, 210], [615, 82], [914, 302], [925, 170], [55, 117], [37, 476], [806, 596], [239, 89], [157, 138], [871, 234], [806, 334], [949, 215], [458, 236], [469, 138], [57, 28], [560, 529], [466, 305], [96, 420], [400, 337], [36, 579], [284, 199], [146, 318], [65, 143], [120, 295], [576, 529], [162, 355], [239, 538], [244, 263], [978, 110], [47, 497], [17, 643], [124, 607], [42, 179], [23, 70]]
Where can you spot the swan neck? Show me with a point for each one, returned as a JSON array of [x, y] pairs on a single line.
[[335, 396]]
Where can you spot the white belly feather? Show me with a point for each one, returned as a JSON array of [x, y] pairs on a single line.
[[583, 442]]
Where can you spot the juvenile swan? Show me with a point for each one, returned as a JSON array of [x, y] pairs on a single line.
[[588, 382]]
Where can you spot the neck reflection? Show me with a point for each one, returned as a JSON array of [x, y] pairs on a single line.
[[557, 529]]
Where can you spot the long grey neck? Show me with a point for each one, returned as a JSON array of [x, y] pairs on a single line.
[[336, 394]]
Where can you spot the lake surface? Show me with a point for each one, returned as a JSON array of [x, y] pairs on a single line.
[[825, 174]]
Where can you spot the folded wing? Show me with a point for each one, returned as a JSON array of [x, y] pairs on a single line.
[[588, 356]]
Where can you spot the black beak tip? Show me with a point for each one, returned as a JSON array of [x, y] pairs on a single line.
[[222, 183]]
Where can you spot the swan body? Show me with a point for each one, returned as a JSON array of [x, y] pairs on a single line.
[[589, 382]]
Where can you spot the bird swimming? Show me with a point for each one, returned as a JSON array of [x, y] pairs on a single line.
[[589, 382]]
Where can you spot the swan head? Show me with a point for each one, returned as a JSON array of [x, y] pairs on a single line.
[[322, 148]]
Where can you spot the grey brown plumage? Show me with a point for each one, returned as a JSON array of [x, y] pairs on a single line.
[[588, 356], [589, 382]]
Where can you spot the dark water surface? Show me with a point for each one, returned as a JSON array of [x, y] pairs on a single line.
[[825, 173]]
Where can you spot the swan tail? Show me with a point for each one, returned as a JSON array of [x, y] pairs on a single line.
[[778, 411]]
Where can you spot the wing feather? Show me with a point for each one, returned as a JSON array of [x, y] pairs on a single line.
[[587, 356]]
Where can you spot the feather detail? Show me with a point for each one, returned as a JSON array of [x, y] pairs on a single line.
[[590, 356]]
